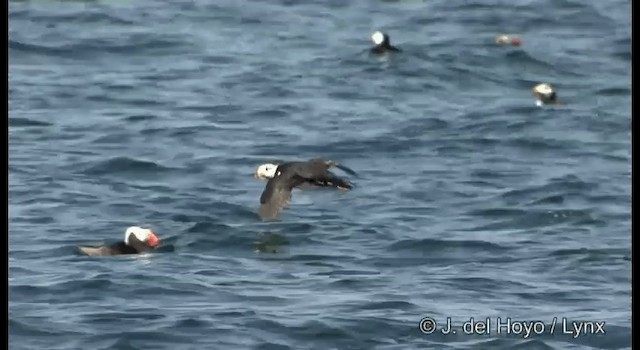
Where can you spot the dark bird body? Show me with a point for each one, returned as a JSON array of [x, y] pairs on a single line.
[[380, 49]]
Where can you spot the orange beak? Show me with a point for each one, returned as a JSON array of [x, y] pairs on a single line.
[[153, 240]]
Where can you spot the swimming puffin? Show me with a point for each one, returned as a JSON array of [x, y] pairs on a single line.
[[383, 43], [544, 94], [136, 240], [282, 178], [508, 40]]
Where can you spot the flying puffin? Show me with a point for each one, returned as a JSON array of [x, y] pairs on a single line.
[[136, 240], [282, 178], [382, 43]]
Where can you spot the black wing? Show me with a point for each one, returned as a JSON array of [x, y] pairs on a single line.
[[319, 164], [275, 197], [332, 181], [113, 249], [316, 171]]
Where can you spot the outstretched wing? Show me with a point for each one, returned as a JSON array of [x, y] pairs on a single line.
[[275, 197], [317, 172], [333, 181], [319, 165]]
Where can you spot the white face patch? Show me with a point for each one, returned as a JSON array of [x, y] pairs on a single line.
[[142, 234], [266, 171], [377, 38], [544, 89], [502, 39], [538, 103]]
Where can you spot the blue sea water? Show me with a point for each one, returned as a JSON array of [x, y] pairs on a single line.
[[471, 202]]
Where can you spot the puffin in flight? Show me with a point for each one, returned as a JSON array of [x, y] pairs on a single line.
[[136, 240], [282, 178]]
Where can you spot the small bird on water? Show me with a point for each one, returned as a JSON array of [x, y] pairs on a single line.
[[282, 178], [508, 40], [382, 43], [136, 240], [544, 94]]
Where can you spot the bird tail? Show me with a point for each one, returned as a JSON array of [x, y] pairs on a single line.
[[341, 183], [345, 169]]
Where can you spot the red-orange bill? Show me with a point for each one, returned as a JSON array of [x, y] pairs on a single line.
[[153, 240]]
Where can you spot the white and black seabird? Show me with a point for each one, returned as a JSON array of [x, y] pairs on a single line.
[[544, 94], [136, 240], [282, 178], [382, 43]]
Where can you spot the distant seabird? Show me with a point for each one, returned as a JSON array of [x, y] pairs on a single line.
[[382, 43], [282, 178], [508, 40], [136, 240], [544, 94]]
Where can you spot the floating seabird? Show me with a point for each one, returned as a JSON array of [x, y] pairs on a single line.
[[508, 40], [382, 43], [136, 240], [282, 178], [544, 94]]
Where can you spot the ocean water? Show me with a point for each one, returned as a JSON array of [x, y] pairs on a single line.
[[470, 201]]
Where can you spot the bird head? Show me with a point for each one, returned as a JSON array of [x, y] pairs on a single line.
[[143, 235], [266, 171], [544, 93], [379, 38]]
